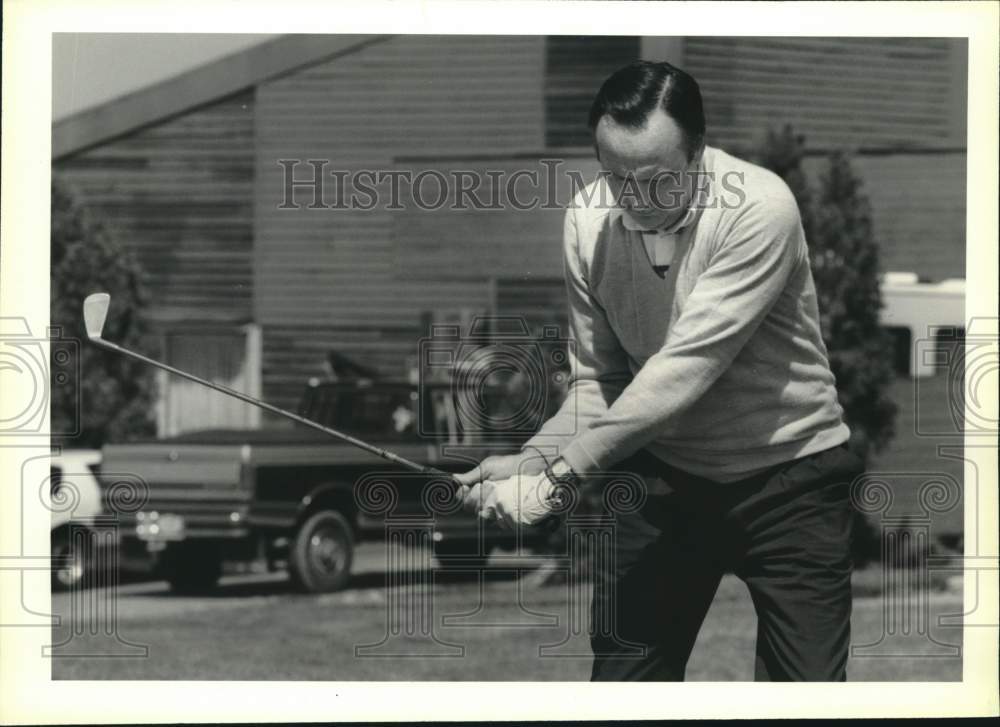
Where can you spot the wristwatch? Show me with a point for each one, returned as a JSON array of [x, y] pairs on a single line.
[[562, 476]]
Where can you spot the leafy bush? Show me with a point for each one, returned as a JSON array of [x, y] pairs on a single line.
[[115, 394]]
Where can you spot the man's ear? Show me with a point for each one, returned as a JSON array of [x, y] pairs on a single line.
[[698, 154]]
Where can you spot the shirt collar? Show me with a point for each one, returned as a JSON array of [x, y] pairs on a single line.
[[684, 221]]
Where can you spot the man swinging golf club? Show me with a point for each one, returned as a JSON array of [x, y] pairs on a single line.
[[698, 364]]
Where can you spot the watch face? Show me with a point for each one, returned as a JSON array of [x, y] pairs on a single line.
[[560, 468]]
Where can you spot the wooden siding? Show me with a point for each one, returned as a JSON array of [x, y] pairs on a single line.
[[575, 67], [903, 93], [179, 195], [466, 244], [538, 301], [329, 279]]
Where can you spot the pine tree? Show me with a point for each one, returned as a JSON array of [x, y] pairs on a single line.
[[846, 268], [113, 395]]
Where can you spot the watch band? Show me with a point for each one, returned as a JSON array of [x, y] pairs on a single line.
[[560, 470], [538, 451], [562, 476]]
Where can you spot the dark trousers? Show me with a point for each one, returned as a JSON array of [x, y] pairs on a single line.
[[786, 533]]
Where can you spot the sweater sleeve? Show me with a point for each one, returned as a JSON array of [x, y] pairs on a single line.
[[599, 369], [744, 278]]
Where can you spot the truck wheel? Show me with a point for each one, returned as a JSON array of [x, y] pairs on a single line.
[[190, 569], [321, 553], [460, 554], [72, 575]]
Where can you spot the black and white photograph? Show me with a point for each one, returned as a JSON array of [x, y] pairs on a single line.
[[503, 354]]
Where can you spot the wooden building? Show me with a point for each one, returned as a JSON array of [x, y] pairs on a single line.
[[253, 292]]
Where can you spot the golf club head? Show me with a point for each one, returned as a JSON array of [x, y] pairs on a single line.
[[95, 310]]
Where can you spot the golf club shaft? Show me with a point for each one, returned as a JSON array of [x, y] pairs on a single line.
[[377, 451]]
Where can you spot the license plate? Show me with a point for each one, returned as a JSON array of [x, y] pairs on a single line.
[[163, 528]]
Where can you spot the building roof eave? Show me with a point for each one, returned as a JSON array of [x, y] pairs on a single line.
[[199, 86]]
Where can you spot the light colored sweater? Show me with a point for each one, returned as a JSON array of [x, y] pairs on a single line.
[[719, 368]]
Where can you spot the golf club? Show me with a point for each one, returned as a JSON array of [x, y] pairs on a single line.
[[95, 311]]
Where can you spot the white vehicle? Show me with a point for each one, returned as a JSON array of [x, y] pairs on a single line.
[[75, 499]]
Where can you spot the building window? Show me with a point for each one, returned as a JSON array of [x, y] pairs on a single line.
[[575, 67]]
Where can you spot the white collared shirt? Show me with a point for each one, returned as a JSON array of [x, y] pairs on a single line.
[[661, 244]]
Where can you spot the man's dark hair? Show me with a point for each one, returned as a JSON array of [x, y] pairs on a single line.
[[631, 93]]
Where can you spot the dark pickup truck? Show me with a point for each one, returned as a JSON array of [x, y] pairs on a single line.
[[288, 497]]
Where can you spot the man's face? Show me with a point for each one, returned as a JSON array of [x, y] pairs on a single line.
[[647, 169]]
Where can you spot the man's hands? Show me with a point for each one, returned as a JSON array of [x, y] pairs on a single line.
[[511, 489], [502, 467], [519, 500]]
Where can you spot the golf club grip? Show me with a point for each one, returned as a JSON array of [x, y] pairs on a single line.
[[549, 524]]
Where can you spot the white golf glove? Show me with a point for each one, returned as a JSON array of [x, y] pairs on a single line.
[[519, 500]]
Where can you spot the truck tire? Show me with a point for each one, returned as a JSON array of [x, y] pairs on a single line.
[[320, 555], [74, 573], [190, 569]]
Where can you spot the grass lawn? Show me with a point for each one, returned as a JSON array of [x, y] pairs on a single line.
[[258, 630]]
